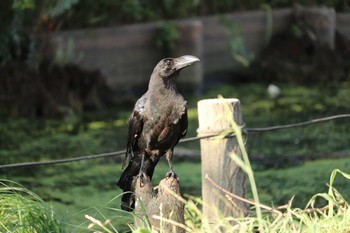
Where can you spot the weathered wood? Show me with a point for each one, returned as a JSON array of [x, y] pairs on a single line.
[[216, 162], [165, 203]]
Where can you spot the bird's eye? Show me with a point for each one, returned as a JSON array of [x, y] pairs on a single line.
[[168, 62]]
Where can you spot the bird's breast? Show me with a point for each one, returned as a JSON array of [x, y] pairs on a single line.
[[162, 128]]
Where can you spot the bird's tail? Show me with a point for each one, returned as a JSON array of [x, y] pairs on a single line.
[[125, 183], [126, 180]]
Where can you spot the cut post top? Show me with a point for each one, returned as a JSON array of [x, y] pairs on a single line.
[[216, 115], [218, 101]]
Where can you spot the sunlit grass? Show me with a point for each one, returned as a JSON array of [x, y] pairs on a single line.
[[23, 211], [102, 200], [97, 125], [121, 122]]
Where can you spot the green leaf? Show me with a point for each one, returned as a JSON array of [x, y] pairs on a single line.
[[23, 4]]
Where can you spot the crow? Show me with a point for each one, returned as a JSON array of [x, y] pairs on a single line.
[[156, 124]]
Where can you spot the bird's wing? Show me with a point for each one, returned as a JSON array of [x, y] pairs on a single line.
[[181, 121], [184, 123], [136, 121]]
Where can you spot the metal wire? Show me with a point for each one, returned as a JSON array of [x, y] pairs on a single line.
[[58, 161], [314, 121], [119, 153]]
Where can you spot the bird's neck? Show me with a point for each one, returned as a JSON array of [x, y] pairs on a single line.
[[162, 90], [162, 85]]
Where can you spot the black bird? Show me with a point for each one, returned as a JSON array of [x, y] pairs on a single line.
[[157, 123]]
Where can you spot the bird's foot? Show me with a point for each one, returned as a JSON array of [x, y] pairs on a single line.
[[142, 176], [172, 174]]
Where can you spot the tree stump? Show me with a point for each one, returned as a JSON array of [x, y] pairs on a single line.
[[216, 162], [165, 204]]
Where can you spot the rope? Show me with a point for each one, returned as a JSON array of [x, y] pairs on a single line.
[[119, 153]]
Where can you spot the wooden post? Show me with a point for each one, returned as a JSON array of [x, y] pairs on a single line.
[[216, 162], [166, 204]]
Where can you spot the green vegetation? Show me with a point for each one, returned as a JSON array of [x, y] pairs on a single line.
[[78, 189], [23, 20], [130, 11], [36, 139], [237, 43], [23, 211], [330, 217], [296, 104], [89, 187]]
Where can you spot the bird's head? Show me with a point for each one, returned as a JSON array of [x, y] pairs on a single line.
[[169, 66]]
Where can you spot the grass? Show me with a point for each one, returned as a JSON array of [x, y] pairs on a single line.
[[42, 139], [88, 187], [333, 215], [330, 217], [296, 104], [278, 185], [23, 211]]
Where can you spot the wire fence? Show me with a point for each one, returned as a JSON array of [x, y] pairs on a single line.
[[190, 139]]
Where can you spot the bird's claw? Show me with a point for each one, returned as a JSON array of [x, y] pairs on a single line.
[[142, 177], [171, 174]]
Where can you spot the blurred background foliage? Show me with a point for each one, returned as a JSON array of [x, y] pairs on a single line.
[[130, 11], [34, 84], [23, 19]]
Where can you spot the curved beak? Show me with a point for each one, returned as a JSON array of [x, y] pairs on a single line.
[[184, 61]]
